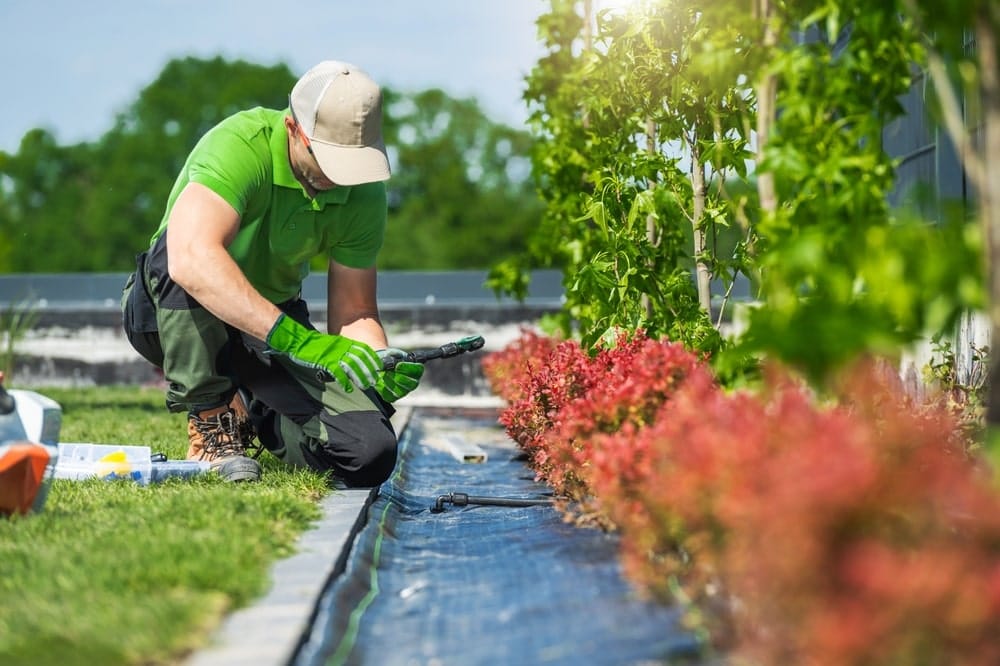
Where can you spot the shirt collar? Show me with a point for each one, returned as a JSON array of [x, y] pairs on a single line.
[[283, 176]]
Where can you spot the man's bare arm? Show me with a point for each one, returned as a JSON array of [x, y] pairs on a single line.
[[352, 306], [201, 226]]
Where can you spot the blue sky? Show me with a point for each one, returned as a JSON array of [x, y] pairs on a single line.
[[71, 65]]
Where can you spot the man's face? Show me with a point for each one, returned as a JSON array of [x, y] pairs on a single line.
[[303, 162]]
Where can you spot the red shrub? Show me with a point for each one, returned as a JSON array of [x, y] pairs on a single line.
[[854, 534], [507, 370], [839, 536], [637, 377], [867, 540], [663, 487], [546, 388], [572, 397]]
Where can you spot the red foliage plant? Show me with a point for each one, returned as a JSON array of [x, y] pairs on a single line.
[[567, 398], [633, 380], [508, 370], [838, 536], [868, 539], [665, 487], [857, 533], [544, 386]]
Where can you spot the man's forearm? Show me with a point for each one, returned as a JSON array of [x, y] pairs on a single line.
[[352, 306], [366, 328]]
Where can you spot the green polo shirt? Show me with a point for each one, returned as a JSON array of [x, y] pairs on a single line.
[[244, 159]]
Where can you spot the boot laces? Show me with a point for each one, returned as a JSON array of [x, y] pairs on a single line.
[[225, 435]]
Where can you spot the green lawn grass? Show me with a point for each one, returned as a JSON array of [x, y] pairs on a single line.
[[110, 572]]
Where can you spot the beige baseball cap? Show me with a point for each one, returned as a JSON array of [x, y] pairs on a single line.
[[340, 109]]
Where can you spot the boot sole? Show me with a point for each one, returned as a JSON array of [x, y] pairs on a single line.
[[239, 468]]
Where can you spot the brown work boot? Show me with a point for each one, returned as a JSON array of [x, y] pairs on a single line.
[[224, 436]]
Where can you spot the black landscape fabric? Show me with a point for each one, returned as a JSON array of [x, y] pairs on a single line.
[[481, 584]]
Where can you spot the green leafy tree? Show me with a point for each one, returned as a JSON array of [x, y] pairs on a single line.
[[44, 188], [842, 274], [91, 207], [461, 194], [642, 161], [139, 158], [636, 140], [674, 69], [558, 157]]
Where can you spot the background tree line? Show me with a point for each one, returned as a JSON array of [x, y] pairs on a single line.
[[461, 193], [681, 144]]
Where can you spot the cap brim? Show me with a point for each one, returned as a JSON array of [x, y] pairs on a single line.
[[351, 165]]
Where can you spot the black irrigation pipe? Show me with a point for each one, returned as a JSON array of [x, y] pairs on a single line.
[[461, 499]]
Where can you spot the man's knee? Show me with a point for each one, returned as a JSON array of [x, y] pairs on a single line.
[[373, 461], [359, 447]]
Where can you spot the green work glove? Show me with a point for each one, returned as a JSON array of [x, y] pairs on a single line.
[[403, 378], [348, 361]]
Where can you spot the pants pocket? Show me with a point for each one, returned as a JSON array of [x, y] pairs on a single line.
[[139, 315], [139, 308]]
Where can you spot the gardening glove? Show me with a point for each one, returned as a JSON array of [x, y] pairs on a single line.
[[350, 362], [403, 377]]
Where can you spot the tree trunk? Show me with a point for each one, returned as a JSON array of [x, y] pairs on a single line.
[[703, 276], [767, 92], [651, 238]]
